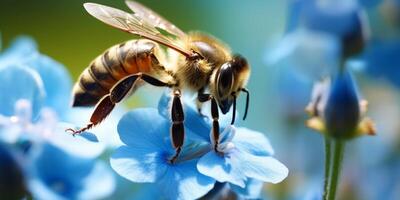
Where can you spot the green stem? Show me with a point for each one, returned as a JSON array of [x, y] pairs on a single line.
[[338, 146], [328, 158]]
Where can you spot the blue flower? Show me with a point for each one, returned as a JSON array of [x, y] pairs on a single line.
[[320, 37], [46, 84], [35, 95], [242, 154], [56, 174], [336, 109], [244, 157], [245, 154], [310, 54], [53, 78], [145, 157], [32, 87]]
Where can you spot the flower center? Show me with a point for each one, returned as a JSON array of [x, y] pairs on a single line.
[[21, 127], [191, 152]]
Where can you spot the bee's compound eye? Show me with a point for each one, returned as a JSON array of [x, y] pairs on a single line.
[[239, 62], [225, 79]]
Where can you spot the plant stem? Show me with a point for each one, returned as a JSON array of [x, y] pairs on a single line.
[[328, 159], [338, 146]]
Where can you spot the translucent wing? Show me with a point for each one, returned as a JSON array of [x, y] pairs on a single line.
[[132, 24], [153, 18]]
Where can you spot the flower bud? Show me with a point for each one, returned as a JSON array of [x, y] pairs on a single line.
[[342, 110], [336, 109]]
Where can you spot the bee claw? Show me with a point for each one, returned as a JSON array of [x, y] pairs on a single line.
[[74, 132], [79, 131]]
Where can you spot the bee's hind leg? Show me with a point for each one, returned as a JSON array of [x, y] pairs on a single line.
[[117, 93], [102, 110]]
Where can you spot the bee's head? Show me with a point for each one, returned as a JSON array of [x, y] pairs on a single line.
[[230, 79]]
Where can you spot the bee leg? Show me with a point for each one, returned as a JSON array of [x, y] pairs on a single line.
[[123, 87], [117, 93], [234, 108], [215, 126], [102, 110], [199, 104], [215, 116], [177, 128]]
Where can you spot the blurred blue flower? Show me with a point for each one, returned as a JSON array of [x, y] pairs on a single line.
[[54, 79], [146, 153], [56, 174], [321, 35], [309, 53], [46, 84], [336, 109], [382, 60], [35, 95], [32, 87]]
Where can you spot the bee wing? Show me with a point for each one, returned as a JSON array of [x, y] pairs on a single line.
[[132, 24], [154, 19]]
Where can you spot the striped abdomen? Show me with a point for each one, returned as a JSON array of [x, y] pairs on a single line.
[[107, 69]]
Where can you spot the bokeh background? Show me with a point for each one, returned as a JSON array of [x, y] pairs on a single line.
[[65, 32]]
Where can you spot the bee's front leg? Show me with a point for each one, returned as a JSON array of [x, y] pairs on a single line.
[[199, 103], [215, 117]]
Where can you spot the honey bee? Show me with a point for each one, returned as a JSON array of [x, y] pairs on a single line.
[[193, 61]]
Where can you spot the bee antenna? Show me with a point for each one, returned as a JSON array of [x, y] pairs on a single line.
[[247, 102], [234, 109]]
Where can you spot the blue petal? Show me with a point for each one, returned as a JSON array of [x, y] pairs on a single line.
[[183, 181], [251, 191], [89, 136], [21, 49], [311, 54], [266, 169], [65, 181], [99, 184], [144, 128], [106, 132], [79, 145], [40, 190], [18, 82], [139, 164], [56, 80], [225, 168], [164, 104], [236, 166], [252, 142]]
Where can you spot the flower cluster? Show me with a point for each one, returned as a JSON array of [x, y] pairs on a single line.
[[244, 158], [37, 157]]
